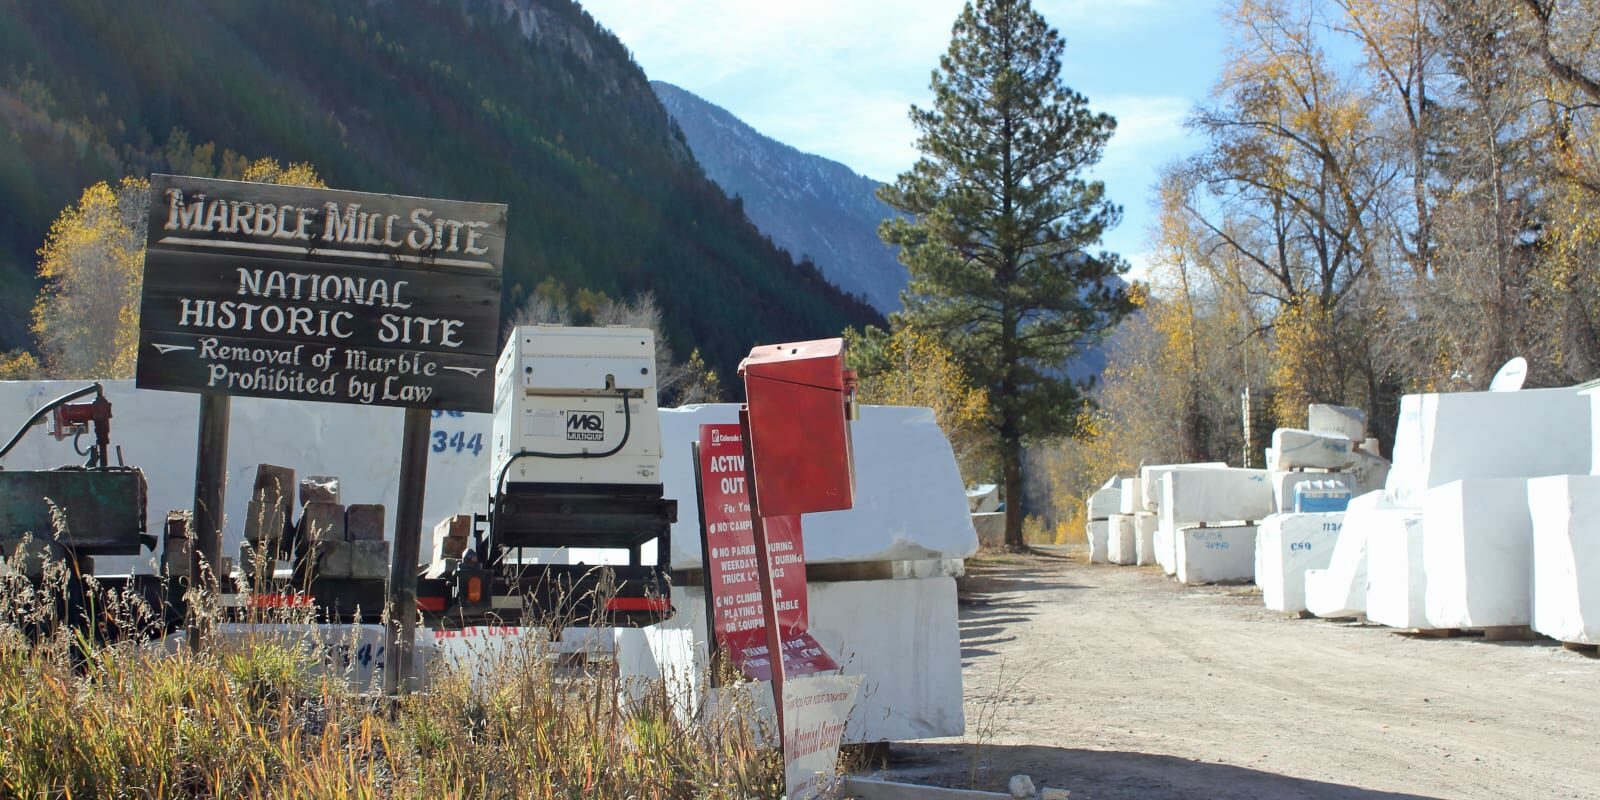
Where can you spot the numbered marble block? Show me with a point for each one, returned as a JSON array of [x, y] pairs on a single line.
[[1343, 420], [1132, 496], [1396, 582], [1309, 450], [1121, 540], [1150, 480], [1524, 434], [1565, 515], [1214, 495], [1144, 531], [1287, 545], [1477, 551], [1216, 554], [1098, 531]]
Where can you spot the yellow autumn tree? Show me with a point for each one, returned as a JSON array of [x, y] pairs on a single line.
[[20, 365], [911, 367], [86, 318]]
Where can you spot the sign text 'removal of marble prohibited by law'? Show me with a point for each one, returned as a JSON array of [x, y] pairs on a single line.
[[318, 294]]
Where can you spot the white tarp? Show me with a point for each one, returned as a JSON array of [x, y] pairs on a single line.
[[1526, 434], [360, 444], [1566, 557], [910, 502], [1287, 545], [1477, 551]]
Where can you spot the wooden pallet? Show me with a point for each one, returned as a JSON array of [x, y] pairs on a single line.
[[1502, 633]]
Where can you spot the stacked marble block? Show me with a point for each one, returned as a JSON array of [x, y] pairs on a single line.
[[1205, 518], [1100, 507], [1131, 533], [1455, 539], [1333, 449], [1150, 487]]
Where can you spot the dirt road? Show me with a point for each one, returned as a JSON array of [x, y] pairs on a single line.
[[1115, 682]]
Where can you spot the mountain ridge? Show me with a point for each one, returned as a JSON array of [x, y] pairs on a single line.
[[812, 206]]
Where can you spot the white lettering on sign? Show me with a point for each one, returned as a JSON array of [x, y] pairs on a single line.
[[421, 230]]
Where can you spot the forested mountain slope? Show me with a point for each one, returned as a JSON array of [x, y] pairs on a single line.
[[524, 102]]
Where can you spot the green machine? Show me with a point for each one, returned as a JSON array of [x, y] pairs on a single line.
[[74, 513]]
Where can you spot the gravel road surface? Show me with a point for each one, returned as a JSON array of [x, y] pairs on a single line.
[[1116, 682]]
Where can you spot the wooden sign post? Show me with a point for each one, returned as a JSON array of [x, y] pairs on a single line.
[[298, 293]]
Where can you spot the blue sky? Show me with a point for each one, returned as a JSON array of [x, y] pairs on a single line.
[[836, 77]]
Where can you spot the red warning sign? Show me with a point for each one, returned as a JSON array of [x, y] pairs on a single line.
[[733, 576]]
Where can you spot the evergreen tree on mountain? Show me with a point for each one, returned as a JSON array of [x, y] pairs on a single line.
[[999, 226]]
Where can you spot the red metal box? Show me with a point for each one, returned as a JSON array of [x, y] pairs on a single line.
[[799, 435]]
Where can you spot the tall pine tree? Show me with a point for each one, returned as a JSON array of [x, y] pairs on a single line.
[[999, 226]]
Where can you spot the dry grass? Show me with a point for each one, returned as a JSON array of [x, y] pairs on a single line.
[[256, 717]]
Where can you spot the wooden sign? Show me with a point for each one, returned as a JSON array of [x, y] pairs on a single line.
[[319, 294]]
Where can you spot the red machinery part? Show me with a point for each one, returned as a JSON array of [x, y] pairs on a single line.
[[798, 396]]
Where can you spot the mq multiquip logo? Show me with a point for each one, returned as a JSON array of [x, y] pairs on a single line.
[[586, 426]]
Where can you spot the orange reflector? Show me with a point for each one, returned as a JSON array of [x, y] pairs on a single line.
[[280, 601], [475, 589], [638, 604]]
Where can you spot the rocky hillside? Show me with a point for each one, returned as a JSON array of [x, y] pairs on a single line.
[[815, 208]]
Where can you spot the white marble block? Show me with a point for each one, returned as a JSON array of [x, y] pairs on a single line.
[[912, 621], [1344, 420], [1214, 495], [1396, 583], [1105, 502], [1099, 532], [1150, 477], [1219, 554], [1121, 539], [1307, 450], [1144, 530], [1477, 550], [1286, 546], [1565, 513], [1340, 590], [1524, 434], [1165, 542], [1369, 473], [1132, 496]]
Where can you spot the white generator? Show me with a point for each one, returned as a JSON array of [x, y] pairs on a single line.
[[579, 404], [575, 462]]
